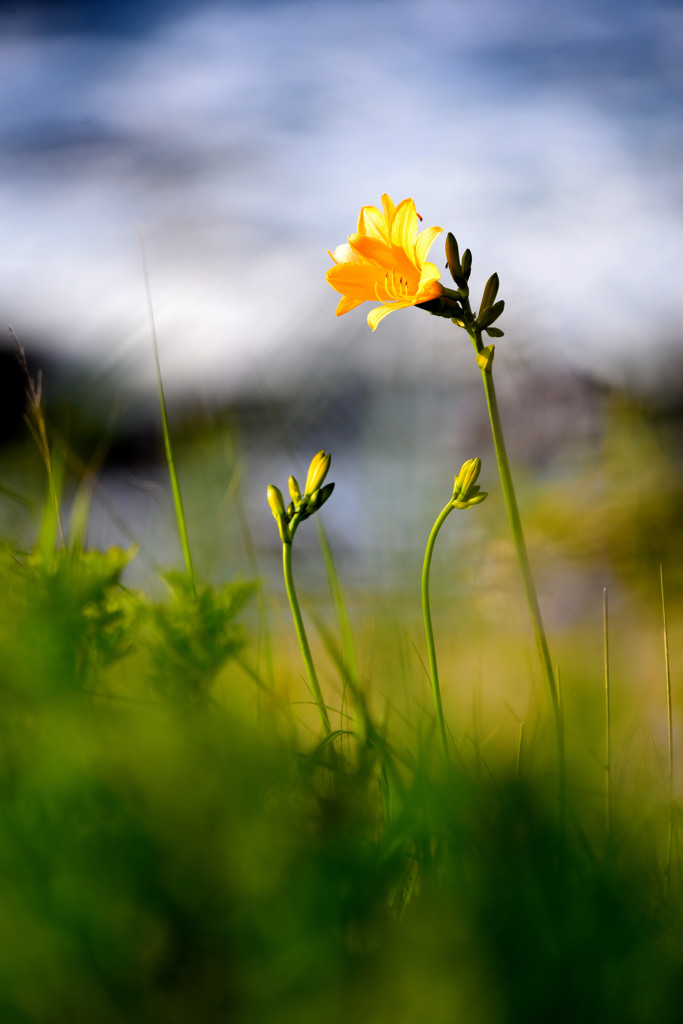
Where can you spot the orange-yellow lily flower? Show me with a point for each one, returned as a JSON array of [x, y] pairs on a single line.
[[385, 261]]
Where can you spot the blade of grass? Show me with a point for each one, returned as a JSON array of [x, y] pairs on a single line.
[[234, 469], [339, 603], [520, 750], [35, 422], [175, 485], [608, 718], [366, 730], [667, 671]]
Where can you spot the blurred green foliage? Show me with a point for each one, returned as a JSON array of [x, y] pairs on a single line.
[[177, 845], [626, 494], [165, 856]]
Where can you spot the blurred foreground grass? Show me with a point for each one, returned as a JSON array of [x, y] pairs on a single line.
[[176, 844]]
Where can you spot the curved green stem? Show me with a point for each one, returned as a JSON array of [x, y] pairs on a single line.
[[301, 632], [429, 632], [522, 556]]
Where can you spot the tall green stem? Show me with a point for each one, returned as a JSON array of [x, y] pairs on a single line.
[[301, 632], [520, 547], [429, 632]]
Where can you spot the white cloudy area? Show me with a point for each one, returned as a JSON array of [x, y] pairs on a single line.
[[244, 139]]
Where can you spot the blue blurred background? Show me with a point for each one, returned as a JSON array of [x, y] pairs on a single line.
[[243, 138]]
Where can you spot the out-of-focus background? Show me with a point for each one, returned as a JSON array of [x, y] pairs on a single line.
[[179, 840], [242, 138]]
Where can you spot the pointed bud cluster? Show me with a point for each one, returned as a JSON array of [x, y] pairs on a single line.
[[466, 492], [489, 310], [302, 505]]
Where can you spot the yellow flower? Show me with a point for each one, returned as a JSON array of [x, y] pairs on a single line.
[[385, 261]]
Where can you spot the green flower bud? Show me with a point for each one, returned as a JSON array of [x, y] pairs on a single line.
[[322, 495], [491, 314], [276, 501], [466, 492], [466, 264], [294, 489], [467, 476], [490, 292], [317, 471], [475, 499], [277, 507], [494, 332], [453, 258]]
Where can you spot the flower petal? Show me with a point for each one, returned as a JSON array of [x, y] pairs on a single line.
[[373, 250], [389, 209], [378, 313], [430, 275], [345, 304], [344, 254], [372, 222], [432, 291], [404, 227], [357, 280], [424, 243]]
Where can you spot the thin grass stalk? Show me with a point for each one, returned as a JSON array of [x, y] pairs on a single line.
[[35, 422], [560, 698], [170, 460], [429, 631], [250, 550], [339, 604], [670, 732], [372, 737], [264, 623], [608, 717], [520, 750], [348, 664]]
